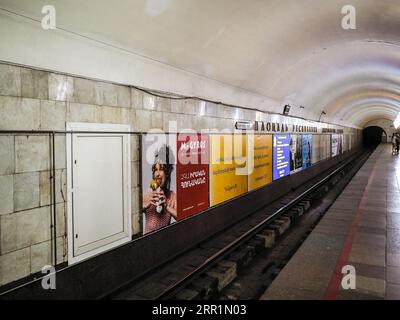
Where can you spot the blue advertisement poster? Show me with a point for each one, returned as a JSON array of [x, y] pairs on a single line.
[[281, 159], [296, 152], [307, 150]]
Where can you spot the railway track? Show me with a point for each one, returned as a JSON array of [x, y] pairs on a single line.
[[217, 268]]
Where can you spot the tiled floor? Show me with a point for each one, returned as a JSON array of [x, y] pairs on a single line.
[[362, 230]]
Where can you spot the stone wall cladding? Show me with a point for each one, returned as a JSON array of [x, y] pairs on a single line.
[[33, 99], [40, 100]]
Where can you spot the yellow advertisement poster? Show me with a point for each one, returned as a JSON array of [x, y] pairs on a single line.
[[262, 164], [228, 172]]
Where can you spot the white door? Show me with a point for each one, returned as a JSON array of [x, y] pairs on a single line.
[[99, 188]]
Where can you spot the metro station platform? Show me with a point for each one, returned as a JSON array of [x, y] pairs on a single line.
[[361, 229]]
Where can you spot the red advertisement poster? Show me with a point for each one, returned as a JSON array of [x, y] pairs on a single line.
[[192, 174]]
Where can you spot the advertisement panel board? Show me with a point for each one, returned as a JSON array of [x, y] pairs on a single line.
[[281, 155], [228, 172]]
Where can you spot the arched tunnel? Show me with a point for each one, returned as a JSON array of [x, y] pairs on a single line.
[[373, 136], [330, 61], [98, 185]]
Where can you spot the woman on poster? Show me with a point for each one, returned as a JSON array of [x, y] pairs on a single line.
[[159, 202]]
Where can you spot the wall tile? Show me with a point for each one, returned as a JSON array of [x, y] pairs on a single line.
[[46, 187], [10, 80], [149, 102], [142, 120], [211, 109], [227, 124], [123, 96], [61, 186], [251, 114], [136, 227], [26, 191], [6, 194], [111, 115], [137, 98], [136, 201], [187, 122], [60, 151], [206, 123], [238, 114], [112, 95], [40, 256], [126, 116], [201, 108], [52, 115], [33, 226], [170, 121], [34, 84], [8, 233], [135, 174], [105, 94], [162, 104], [14, 265], [219, 124], [157, 120], [177, 105], [259, 116], [61, 87], [84, 91], [61, 219], [19, 114], [62, 249], [77, 112], [45, 190], [31, 153], [224, 112], [135, 144], [6, 154], [190, 107]]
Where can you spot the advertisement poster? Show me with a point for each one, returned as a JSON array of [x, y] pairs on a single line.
[[321, 147], [296, 152], [159, 201], [346, 142], [281, 155], [317, 148], [262, 172], [192, 174], [325, 146], [350, 143], [228, 172], [336, 144], [307, 150], [340, 144]]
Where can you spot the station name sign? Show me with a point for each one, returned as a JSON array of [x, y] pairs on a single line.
[[331, 130], [265, 126], [279, 127]]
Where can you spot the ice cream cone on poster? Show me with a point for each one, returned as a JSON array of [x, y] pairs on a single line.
[[154, 185]]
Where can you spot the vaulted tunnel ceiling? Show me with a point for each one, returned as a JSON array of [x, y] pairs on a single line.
[[292, 51]]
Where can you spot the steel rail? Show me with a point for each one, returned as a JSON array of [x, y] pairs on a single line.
[[174, 288]]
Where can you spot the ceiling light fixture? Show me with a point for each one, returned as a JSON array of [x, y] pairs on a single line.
[[286, 109], [323, 112]]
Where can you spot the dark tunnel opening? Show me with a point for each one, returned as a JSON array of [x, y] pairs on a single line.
[[373, 136]]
